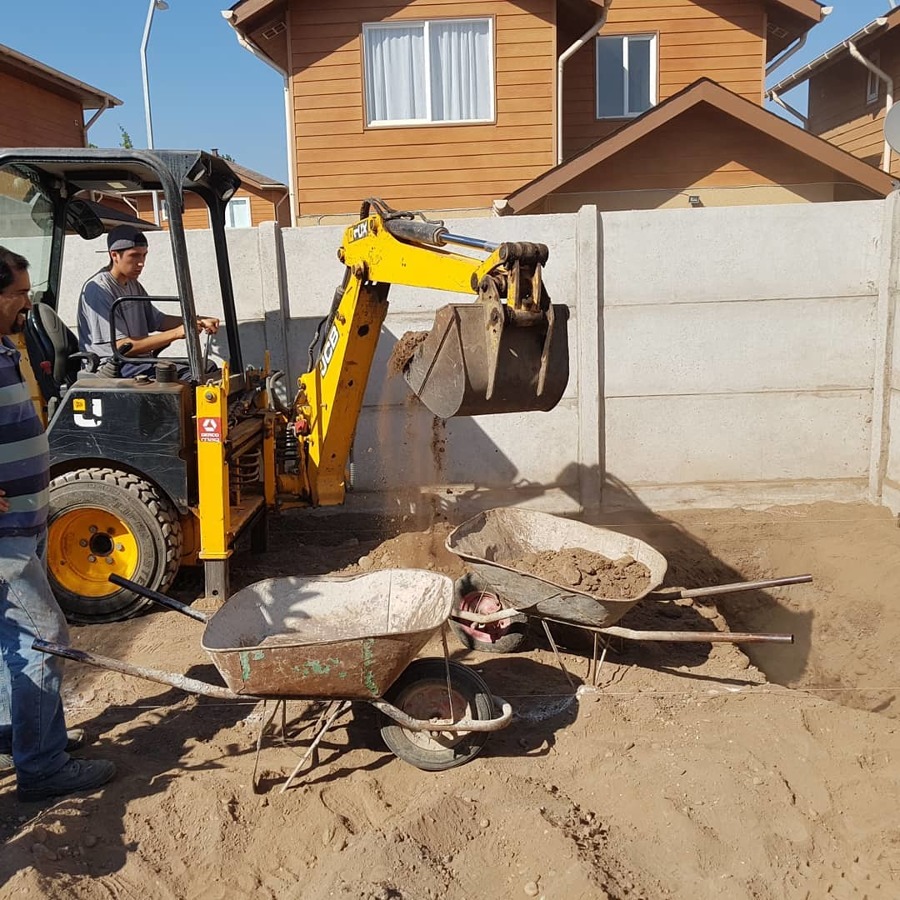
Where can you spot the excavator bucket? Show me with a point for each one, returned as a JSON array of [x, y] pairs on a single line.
[[474, 362]]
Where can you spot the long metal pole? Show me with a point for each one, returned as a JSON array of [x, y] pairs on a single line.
[[149, 118]]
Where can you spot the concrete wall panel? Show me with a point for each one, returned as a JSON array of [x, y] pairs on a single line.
[[741, 253], [772, 345], [731, 438]]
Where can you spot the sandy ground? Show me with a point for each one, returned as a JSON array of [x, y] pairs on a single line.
[[689, 772]]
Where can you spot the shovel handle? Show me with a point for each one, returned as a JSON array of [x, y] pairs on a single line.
[[159, 598]]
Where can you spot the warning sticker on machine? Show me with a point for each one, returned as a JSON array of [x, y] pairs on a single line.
[[209, 430]]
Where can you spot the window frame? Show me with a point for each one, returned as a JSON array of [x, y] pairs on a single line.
[[651, 37], [873, 96], [430, 123], [244, 201]]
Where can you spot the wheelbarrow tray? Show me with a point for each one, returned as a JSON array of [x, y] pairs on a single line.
[[335, 637], [510, 533]]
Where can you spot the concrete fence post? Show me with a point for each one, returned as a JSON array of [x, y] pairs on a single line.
[[588, 327], [880, 451], [273, 284]]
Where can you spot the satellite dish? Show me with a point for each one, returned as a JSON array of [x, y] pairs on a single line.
[[892, 128]]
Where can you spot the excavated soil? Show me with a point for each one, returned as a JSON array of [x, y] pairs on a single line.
[[623, 578], [404, 350], [687, 771]]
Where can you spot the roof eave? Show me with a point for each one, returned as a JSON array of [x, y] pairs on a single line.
[[89, 97], [807, 9]]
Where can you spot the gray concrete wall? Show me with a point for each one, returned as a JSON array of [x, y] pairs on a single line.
[[735, 356], [739, 349]]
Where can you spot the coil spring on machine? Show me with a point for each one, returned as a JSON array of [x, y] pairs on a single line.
[[287, 449], [246, 470]]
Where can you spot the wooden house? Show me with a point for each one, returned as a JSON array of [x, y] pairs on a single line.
[[459, 107], [851, 87], [43, 107], [258, 199]]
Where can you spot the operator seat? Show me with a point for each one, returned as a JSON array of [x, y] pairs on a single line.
[[54, 352]]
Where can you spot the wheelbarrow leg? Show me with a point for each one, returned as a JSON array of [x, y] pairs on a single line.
[[341, 708], [559, 661], [265, 721]]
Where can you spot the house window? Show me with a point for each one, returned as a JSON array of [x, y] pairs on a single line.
[[873, 86], [436, 71], [237, 213], [626, 75]]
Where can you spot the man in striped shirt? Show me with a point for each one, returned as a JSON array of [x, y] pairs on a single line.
[[32, 724]]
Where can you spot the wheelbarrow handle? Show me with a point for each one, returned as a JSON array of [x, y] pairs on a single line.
[[734, 588], [181, 682], [159, 598], [466, 724]]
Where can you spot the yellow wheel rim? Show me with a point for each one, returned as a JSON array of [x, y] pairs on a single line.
[[88, 545]]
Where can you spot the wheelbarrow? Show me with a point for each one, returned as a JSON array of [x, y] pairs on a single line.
[[341, 639], [493, 603]]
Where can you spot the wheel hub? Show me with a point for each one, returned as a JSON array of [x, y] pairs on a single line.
[[86, 546], [435, 702]]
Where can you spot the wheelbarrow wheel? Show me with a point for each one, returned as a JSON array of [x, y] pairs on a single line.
[[421, 692], [473, 595]]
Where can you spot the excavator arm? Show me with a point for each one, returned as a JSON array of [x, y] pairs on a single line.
[[506, 350]]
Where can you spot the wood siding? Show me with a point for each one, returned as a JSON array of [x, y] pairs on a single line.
[[839, 111], [723, 40], [340, 161], [263, 208], [36, 117], [713, 151]]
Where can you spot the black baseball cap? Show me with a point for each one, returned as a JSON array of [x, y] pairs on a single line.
[[124, 237]]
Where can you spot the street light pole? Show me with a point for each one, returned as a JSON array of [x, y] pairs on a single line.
[[154, 5]]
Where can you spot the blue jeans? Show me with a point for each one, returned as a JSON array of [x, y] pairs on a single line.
[[32, 723]]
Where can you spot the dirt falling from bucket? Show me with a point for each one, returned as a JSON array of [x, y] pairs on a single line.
[[411, 443], [624, 578], [404, 350]]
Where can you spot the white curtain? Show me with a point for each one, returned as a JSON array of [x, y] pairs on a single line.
[[461, 79], [395, 73]]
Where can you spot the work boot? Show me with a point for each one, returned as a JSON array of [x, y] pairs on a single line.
[[75, 775], [76, 741]]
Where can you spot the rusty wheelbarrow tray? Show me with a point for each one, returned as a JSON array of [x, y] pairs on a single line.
[[504, 592], [343, 639]]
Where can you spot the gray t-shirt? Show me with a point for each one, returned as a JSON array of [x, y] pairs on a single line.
[[137, 320]]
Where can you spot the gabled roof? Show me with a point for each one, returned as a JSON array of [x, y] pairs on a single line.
[[708, 92], [19, 65]]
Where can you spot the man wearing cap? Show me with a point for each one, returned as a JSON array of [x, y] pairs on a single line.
[[140, 324]]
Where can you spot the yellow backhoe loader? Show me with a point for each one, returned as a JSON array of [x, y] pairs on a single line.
[[149, 474]]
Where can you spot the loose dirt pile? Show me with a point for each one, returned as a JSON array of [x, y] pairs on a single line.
[[623, 578], [683, 774]]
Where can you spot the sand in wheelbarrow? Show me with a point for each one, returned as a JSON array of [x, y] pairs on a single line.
[[624, 578]]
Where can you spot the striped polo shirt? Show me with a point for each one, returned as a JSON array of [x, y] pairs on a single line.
[[24, 452]]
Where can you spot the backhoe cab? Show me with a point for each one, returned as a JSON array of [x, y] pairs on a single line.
[[152, 474]]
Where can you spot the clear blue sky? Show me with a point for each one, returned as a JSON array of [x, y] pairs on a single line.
[[206, 90]]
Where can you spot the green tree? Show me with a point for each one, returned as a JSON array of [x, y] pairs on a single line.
[[126, 141]]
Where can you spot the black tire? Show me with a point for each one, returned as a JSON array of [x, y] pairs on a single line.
[[421, 692], [150, 546], [506, 637]]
